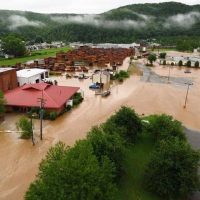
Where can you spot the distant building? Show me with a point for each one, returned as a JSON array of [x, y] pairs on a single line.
[[27, 76], [8, 79], [26, 97]]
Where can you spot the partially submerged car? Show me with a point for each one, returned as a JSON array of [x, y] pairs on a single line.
[[106, 93], [94, 86]]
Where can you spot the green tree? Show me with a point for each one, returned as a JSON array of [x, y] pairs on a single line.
[[152, 58], [162, 55], [25, 125], [164, 127], [196, 64], [173, 170], [13, 45], [73, 174], [128, 123], [2, 103], [108, 144]]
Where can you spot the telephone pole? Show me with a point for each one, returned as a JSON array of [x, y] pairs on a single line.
[[42, 103], [188, 87]]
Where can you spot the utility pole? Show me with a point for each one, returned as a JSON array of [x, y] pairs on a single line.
[[188, 87], [42, 103], [169, 74]]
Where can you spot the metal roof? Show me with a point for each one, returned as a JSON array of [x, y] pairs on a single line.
[[27, 73]]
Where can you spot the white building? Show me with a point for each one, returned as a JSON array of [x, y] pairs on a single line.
[[27, 76]]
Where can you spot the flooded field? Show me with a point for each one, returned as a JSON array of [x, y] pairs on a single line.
[[19, 159]]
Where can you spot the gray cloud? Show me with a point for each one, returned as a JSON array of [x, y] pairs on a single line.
[[16, 21], [98, 21], [182, 20]]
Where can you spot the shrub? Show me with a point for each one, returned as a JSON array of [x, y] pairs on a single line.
[[173, 170], [188, 64], [24, 124], [106, 144], [162, 55], [128, 122], [180, 63], [77, 99], [52, 115], [164, 127], [196, 64]]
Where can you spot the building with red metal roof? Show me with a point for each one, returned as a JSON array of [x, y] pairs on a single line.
[[27, 96]]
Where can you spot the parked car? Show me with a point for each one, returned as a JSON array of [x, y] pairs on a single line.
[[94, 86]]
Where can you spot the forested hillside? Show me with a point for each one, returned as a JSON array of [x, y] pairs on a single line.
[[165, 22]]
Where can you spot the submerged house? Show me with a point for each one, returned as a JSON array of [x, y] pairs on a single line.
[[26, 97]]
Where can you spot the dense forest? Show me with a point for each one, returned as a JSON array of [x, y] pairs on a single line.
[[166, 22]]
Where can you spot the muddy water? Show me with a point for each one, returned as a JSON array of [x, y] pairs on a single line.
[[19, 159]]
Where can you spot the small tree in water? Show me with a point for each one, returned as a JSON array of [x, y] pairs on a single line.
[[25, 125], [152, 58]]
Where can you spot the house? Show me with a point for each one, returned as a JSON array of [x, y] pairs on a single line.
[[8, 79], [26, 97], [27, 76]]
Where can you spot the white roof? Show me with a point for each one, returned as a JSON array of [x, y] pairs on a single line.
[[4, 69], [26, 73]]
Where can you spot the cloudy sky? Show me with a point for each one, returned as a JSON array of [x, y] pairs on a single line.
[[75, 6]]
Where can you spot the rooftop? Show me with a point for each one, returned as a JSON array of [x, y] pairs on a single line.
[[4, 69], [27, 96], [26, 73]]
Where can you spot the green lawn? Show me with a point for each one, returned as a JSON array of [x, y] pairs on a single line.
[[34, 55], [137, 157]]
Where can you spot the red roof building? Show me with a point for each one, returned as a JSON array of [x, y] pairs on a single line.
[[27, 96]]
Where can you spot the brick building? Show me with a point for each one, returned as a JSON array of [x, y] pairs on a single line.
[[8, 79]]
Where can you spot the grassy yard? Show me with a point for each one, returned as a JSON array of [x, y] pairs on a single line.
[[137, 157], [34, 55]]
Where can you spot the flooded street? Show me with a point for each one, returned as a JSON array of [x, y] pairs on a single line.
[[19, 159]]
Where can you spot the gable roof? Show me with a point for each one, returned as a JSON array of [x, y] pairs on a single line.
[[28, 95]]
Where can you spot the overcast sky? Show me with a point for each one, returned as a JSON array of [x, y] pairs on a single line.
[[74, 6]]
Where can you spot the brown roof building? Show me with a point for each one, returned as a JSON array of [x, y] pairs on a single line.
[[8, 79]]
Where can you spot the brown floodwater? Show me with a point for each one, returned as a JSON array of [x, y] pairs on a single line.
[[19, 159]]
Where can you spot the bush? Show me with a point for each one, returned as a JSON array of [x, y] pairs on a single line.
[[77, 99], [196, 64], [52, 115], [188, 64], [121, 75], [128, 122], [24, 124], [106, 144], [173, 170], [164, 127], [180, 63], [162, 55], [73, 174]]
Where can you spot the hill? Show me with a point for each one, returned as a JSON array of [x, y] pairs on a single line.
[[126, 24]]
